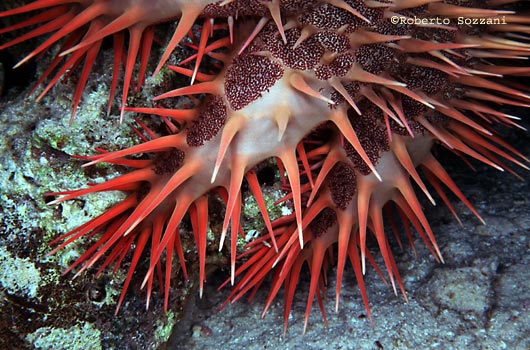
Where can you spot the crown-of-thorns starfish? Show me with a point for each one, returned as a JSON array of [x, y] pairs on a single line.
[[348, 103]]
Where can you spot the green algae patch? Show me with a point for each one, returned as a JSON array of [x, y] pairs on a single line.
[[73, 338], [253, 214], [164, 327], [18, 276]]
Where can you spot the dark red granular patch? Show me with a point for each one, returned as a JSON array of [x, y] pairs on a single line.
[[388, 28], [211, 119], [434, 34], [338, 68], [414, 126], [216, 11], [352, 89], [453, 90], [341, 183], [413, 108], [373, 14], [248, 77], [372, 136], [168, 162], [374, 58], [326, 16], [306, 56], [324, 220], [254, 8], [430, 81], [236, 8], [333, 41], [427, 79], [292, 7]]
